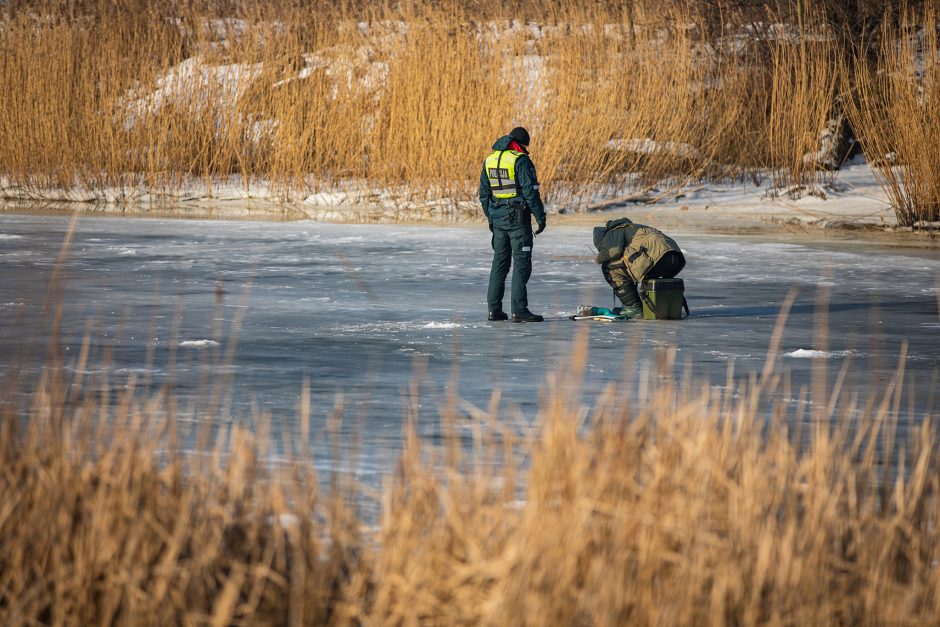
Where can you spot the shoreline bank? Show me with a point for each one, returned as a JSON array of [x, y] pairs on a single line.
[[763, 219]]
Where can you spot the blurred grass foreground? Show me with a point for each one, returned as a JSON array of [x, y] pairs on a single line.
[[673, 503]]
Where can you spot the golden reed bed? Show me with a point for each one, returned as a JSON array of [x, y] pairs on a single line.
[[130, 96]]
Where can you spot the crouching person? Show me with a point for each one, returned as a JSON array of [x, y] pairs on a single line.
[[629, 253]]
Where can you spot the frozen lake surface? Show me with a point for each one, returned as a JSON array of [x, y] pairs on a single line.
[[362, 311]]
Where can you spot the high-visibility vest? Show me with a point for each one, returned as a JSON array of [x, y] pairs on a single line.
[[501, 171]]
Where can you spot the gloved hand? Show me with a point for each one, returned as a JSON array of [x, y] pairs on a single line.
[[541, 227], [491, 226]]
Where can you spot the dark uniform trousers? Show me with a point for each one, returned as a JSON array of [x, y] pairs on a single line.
[[624, 285], [512, 244]]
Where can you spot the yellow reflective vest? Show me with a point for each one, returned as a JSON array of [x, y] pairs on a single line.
[[500, 168]]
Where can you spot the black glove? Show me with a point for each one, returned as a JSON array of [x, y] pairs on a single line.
[[491, 227], [541, 227]]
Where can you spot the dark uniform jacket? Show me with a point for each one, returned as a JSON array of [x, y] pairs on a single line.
[[500, 211]]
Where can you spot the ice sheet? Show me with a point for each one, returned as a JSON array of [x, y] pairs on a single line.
[[361, 311]]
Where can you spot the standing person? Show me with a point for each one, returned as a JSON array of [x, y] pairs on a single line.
[[509, 193], [629, 253]]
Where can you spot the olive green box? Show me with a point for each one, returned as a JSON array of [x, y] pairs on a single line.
[[663, 299]]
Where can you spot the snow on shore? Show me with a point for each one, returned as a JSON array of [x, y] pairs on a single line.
[[854, 199]]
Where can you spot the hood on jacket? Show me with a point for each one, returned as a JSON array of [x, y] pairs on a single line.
[[599, 233], [502, 143]]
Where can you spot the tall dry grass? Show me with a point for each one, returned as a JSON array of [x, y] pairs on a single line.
[[618, 103], [896, 106], [681, 106], [807, 71], [675, 503], [115, 99]]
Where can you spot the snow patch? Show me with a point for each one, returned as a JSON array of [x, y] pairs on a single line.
[[333, 199], [804, 353], [10, 236], [194, 84], [198, 343], [730, 355], [285, 521], [441, 325]]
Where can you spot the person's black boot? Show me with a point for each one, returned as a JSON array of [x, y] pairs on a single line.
[[497, 315], [526, 316]]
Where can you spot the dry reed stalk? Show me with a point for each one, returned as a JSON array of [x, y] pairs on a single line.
[[896, 111]]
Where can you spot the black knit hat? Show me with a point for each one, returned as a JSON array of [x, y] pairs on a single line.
[[520, 135]]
